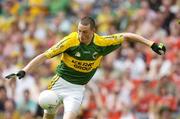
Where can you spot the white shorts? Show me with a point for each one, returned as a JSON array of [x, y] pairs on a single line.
[[70, 95]]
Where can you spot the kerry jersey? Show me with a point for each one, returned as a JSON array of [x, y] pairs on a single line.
[[79, 61]]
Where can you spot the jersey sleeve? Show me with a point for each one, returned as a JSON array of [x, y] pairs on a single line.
[[109, 43], [62, 46], [108, 49], [115, 39]]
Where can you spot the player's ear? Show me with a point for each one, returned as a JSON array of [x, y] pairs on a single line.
[[94, 29]]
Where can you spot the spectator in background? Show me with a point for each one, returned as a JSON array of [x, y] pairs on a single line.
[[105, 19], [166, 94], [154, 4], [165, 113], [58, 5], [27, 104], [10, 110], [145, 9], [159, 33], [123, 19], [168, 14], [27, 115], [132, 63], [142, 98], [37, 7], [1, 7], [167, 82], [131, 5], [60, 24], [3, 98], [126, 113]]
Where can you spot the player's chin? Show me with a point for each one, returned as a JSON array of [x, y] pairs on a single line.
[[83, 41]]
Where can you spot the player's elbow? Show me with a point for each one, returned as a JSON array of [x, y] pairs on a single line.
[[131, 37], [41, 58]]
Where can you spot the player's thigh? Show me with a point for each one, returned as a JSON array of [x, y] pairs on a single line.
[[69, 115], [71, 108], [72, 103], [71, 94], [52, 86]]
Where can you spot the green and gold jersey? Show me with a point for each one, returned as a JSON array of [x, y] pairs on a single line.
[[79, 61]]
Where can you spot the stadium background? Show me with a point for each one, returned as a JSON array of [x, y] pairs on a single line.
[[132, 83]]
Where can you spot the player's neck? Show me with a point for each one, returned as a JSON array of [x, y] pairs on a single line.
[[89, 42]]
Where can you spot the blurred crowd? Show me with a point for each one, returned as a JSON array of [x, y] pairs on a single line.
[[132, 83]]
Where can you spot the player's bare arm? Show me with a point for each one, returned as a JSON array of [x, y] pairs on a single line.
[[35, 62], [30, 66], [137, 38], [159, 48]]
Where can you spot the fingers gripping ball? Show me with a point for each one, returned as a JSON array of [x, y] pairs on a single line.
[[48, 100]]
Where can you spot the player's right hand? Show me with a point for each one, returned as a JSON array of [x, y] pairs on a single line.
[[21, 74]]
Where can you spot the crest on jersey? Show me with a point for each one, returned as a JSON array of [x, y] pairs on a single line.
[[95, 54], [78, 54]]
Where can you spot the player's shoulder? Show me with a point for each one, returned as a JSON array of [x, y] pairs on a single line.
[[103, 40], [72, 38]]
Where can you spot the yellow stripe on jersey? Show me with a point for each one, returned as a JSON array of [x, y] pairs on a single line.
[[81, 65], [53, 81], [114, 39], [72, 40], [67, 42]]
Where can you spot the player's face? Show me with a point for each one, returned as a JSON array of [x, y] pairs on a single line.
[[85, 33]]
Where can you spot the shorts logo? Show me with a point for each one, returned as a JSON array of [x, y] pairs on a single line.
[[78, 54]]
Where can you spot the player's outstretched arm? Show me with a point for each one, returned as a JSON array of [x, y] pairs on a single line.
[[30, 66], [35, 62], [159, 48]]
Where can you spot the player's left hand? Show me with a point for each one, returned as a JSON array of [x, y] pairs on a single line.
[[159, 48], [10, 76]]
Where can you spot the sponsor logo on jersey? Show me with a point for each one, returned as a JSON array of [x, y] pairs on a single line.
[[81, 65]]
